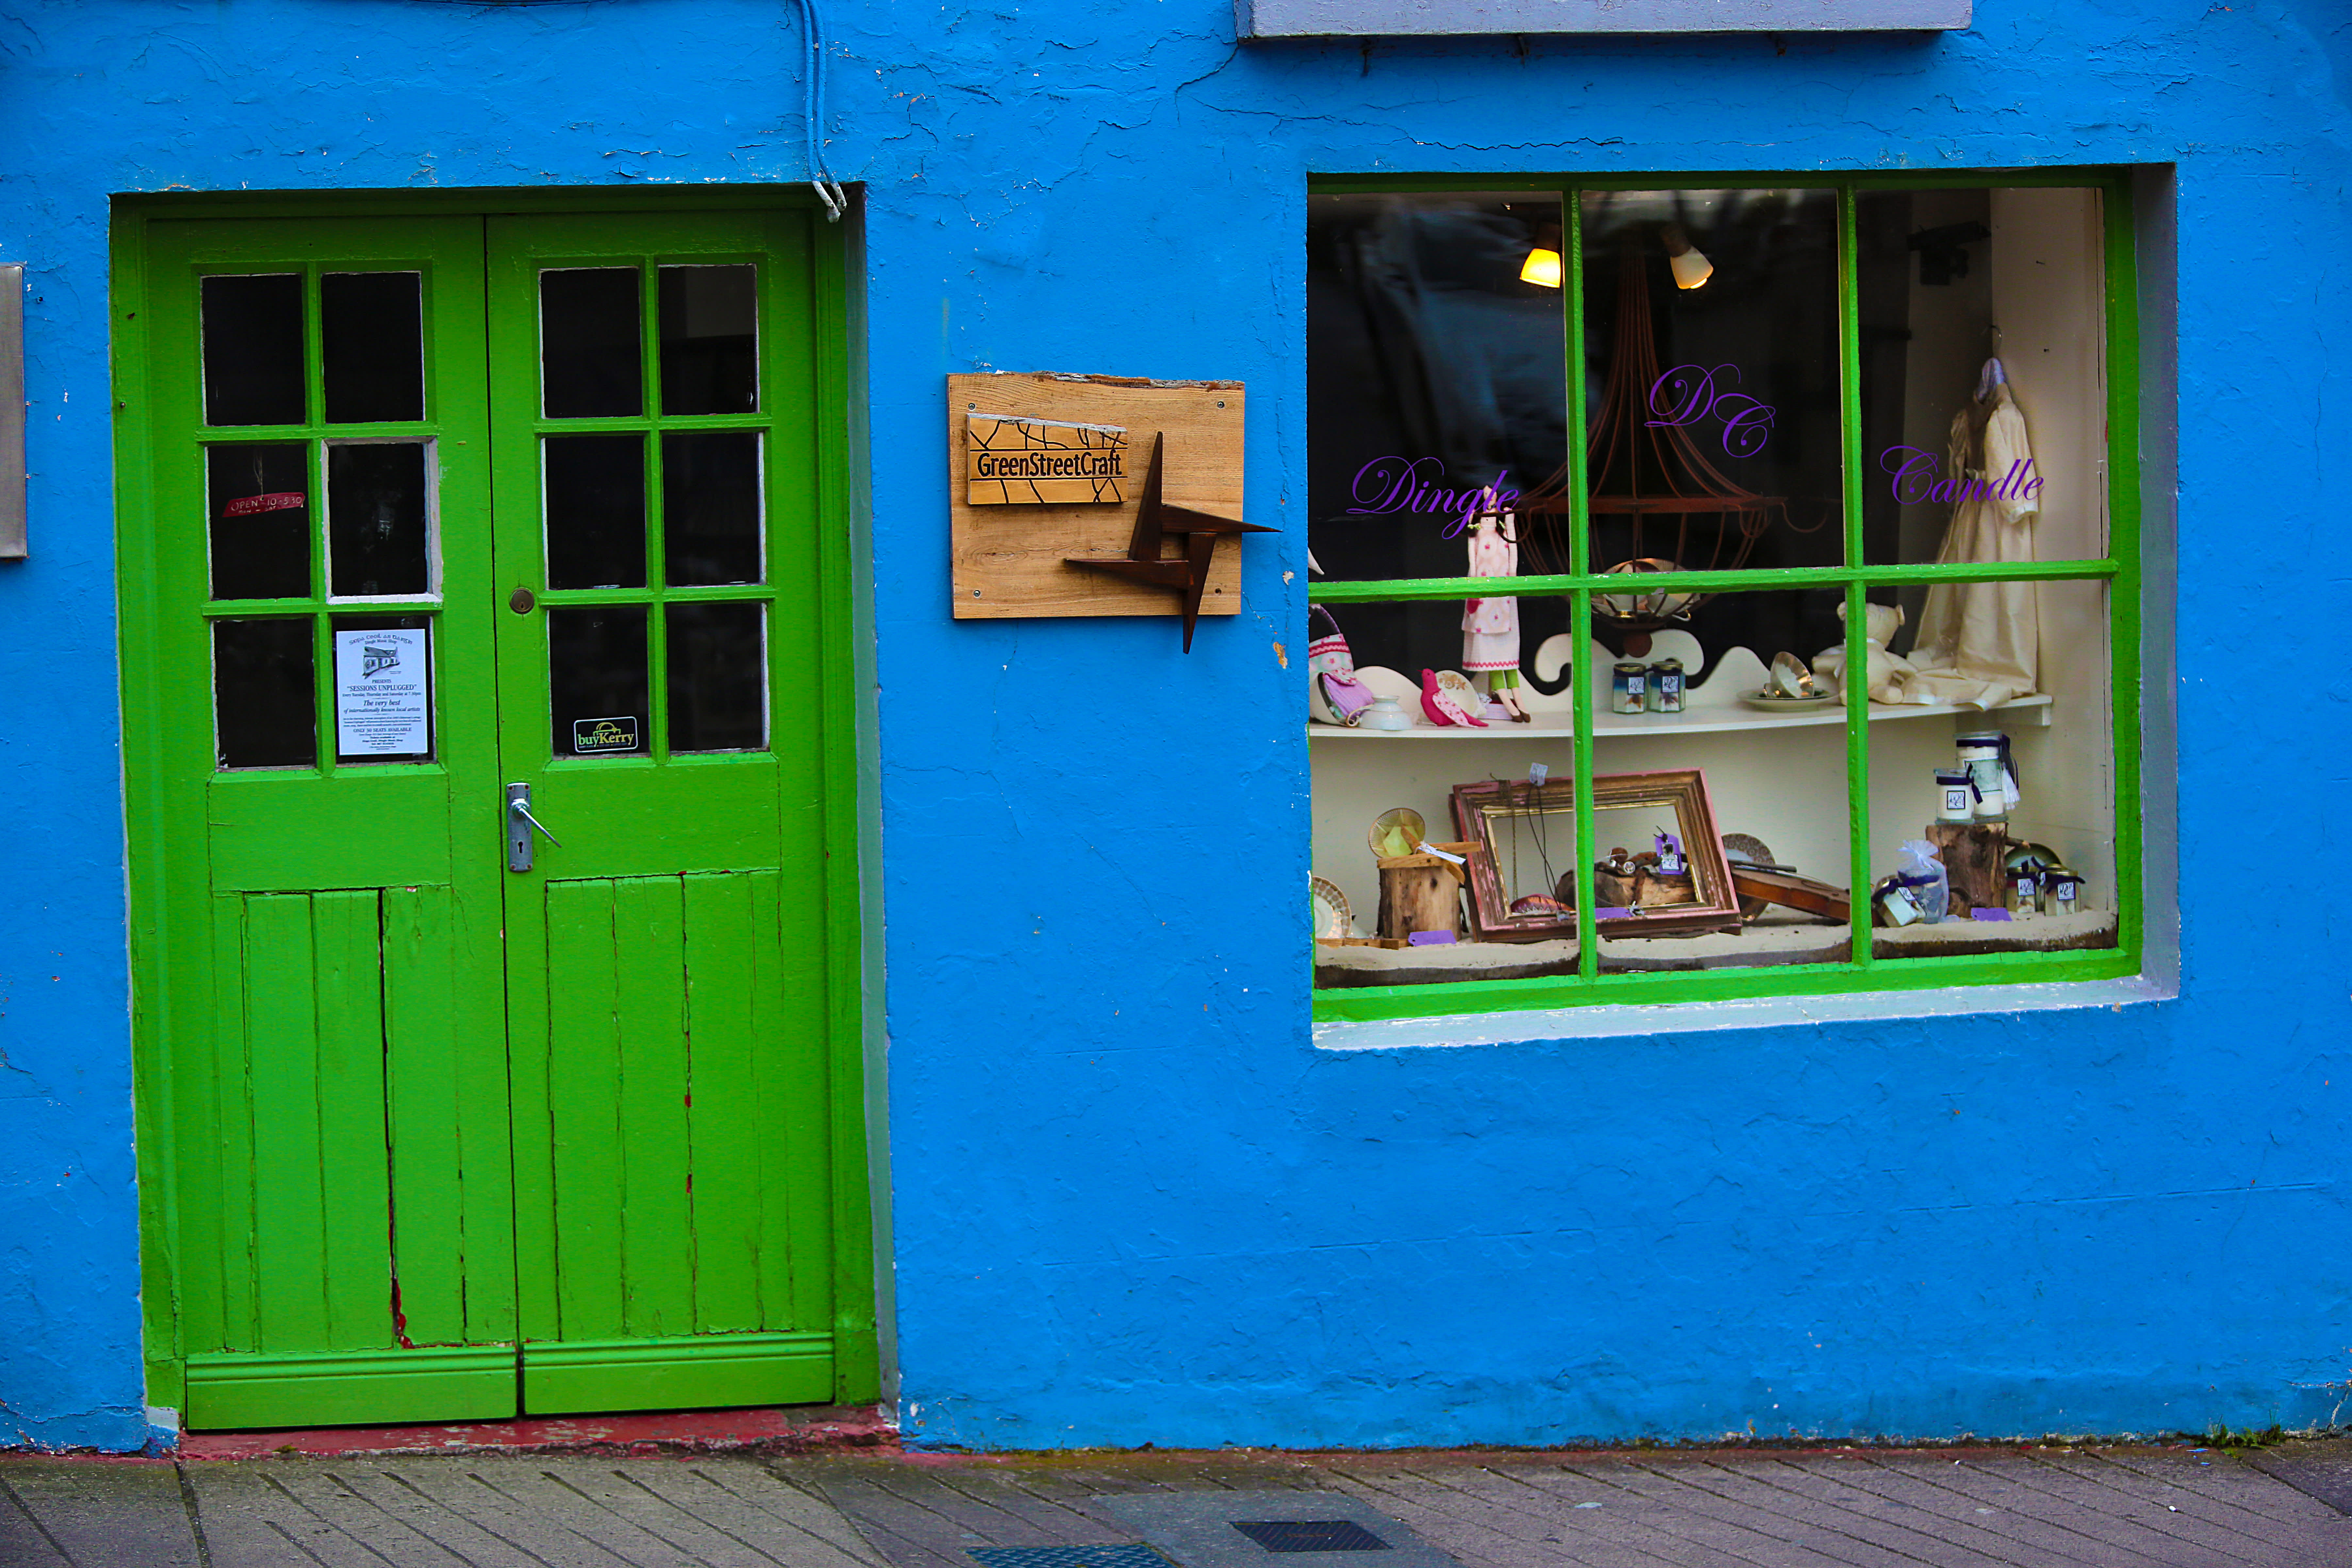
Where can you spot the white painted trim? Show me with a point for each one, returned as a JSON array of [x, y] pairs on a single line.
[[1399, 18]]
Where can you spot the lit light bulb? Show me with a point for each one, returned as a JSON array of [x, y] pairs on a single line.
[[1685, 260], [1543, 267]]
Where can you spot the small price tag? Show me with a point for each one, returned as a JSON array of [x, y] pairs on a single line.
[[1537, 774]]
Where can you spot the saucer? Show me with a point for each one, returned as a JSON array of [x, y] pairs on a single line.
[[1773, 702]]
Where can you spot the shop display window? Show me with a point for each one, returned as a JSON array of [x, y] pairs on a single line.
[[1802, 650]]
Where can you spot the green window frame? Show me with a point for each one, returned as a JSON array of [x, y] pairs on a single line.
[[2121, 569]]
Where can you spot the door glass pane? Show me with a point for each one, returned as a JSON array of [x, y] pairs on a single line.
[[710, 508], [1436, 379], [253, 348], [591, 327], [378, 541], [260, 511], [709, 339], [595, 511], [384, 688], [1712, 435], [372, 341], [596, 678], [717, 678], [265, 702]]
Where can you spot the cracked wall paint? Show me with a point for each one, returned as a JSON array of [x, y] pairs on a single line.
[[1132, 1202]]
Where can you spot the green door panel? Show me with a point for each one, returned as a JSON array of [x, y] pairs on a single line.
[[712, 1370], [424, 1139], [362, 1178], [629, 809], [471, 1383], [684, 1085], [670, 1065], [374, 827], [322, 981], [447, 1122]]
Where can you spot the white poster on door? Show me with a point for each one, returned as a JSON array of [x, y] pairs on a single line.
[[381, 692]]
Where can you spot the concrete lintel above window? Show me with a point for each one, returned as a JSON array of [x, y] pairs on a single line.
[[1394, 18]]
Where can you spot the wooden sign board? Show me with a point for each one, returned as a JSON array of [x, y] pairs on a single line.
[[1006, 557], [1015, 460]]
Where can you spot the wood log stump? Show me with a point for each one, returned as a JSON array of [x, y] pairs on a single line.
[[1972, 853], [1421, 892]]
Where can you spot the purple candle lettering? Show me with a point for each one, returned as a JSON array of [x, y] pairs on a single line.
[[1918, 479], [1394, 484]]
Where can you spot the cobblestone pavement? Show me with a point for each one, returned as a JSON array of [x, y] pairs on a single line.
[[2088, 1507]]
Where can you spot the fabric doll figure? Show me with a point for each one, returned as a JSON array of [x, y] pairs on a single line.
[[1343, 699], [1490, 627]]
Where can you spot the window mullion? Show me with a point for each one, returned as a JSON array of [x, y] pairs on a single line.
[[2121, 363], [1857, 616], [1580, 564]]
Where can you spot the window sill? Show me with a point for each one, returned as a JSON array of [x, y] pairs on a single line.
[[1636, 1020]]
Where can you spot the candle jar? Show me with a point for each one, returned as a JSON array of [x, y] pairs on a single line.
[[1982, 756], [1956, 796], [1629, 688], [1666, 686]]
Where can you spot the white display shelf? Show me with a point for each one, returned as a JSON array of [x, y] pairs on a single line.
[[1714, 719]]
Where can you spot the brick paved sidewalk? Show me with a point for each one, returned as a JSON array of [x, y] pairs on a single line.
[[2092, 1507]]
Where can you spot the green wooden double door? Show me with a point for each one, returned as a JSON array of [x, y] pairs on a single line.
[[448, 1111]]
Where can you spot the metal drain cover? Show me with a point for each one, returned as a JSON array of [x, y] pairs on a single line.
[[1242, 1529], [1311, 1535], [1128, 1554]]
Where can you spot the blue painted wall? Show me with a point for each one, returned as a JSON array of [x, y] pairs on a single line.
[[1133, 1202]]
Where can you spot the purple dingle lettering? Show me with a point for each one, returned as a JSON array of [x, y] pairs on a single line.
[[1391, 484]]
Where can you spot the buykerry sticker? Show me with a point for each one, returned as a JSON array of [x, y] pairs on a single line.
[[593, 737], [1011, 459]]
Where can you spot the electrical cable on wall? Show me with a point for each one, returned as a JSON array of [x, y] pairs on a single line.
[[828, 189]]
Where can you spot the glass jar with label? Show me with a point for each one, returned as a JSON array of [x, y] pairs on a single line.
[[1666, 686], [1630, 688], [1986, 756], [1956, 796]]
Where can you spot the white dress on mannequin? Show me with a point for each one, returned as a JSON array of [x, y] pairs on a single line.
[[1980, 642]]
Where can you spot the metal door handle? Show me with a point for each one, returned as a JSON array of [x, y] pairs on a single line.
[[520, 822]]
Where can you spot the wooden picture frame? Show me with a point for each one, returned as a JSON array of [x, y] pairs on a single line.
[[1714, 901]]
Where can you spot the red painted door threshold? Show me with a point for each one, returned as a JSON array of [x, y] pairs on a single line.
[[784, 1430]]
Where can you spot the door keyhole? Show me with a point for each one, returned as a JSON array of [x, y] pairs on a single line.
[[520, 603]]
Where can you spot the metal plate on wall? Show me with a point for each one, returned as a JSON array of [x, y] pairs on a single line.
[[1399, 19], [12, 413]]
